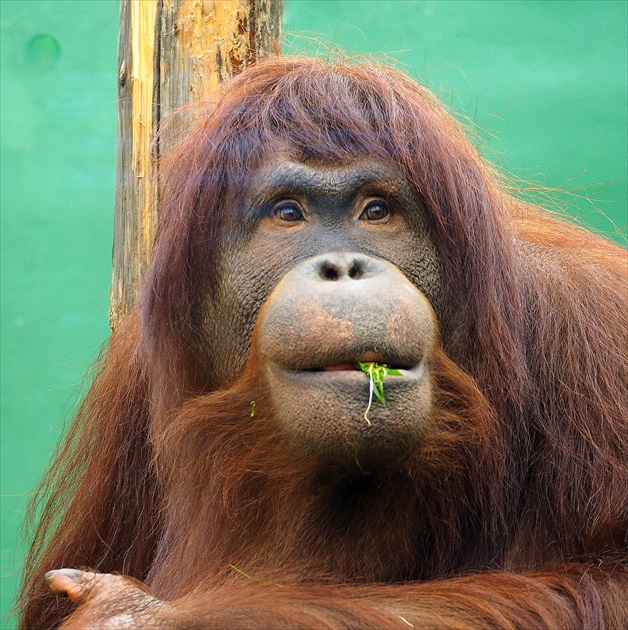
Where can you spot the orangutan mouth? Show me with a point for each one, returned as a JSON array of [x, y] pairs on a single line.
[[351, 366], [337, 368]]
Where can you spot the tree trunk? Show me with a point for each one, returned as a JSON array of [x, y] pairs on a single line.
[[171, 53]]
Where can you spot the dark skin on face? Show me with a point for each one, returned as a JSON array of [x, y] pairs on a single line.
[[295, 211]]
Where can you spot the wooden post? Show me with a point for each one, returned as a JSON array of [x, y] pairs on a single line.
[[171, 53]]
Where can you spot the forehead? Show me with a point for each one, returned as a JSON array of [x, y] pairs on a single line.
[[283, 175]]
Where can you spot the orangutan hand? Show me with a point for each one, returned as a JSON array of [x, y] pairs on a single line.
[[106, 601]]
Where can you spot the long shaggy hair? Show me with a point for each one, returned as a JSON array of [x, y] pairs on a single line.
[[168, 479]]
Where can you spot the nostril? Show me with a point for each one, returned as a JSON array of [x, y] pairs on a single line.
[[330, 271], [336, 268], [356, 270]]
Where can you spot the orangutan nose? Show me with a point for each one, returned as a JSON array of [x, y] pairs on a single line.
[[339, 307], [344, 266]]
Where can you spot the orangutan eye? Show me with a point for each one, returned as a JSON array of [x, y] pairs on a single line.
[[375, 211], [288, 211]]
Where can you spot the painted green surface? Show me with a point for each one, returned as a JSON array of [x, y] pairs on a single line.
[[58, 165], [546, 81]]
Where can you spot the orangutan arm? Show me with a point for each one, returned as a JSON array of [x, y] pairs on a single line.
[[573, 596]]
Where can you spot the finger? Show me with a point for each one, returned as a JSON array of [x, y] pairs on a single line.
[[72, 583]]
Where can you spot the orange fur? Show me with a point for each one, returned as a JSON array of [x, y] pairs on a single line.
[[513, 513]]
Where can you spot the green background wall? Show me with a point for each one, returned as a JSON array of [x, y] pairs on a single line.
[[545, 81]]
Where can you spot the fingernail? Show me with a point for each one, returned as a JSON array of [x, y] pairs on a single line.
[[71, 574]]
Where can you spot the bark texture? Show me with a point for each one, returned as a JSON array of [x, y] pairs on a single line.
[[172, 53]]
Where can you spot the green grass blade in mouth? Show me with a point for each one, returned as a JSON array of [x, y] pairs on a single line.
[[376, 373]]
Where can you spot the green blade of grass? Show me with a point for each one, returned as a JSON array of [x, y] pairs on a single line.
[[378, 390], [250, 577], [377, 373], [392, 372]]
